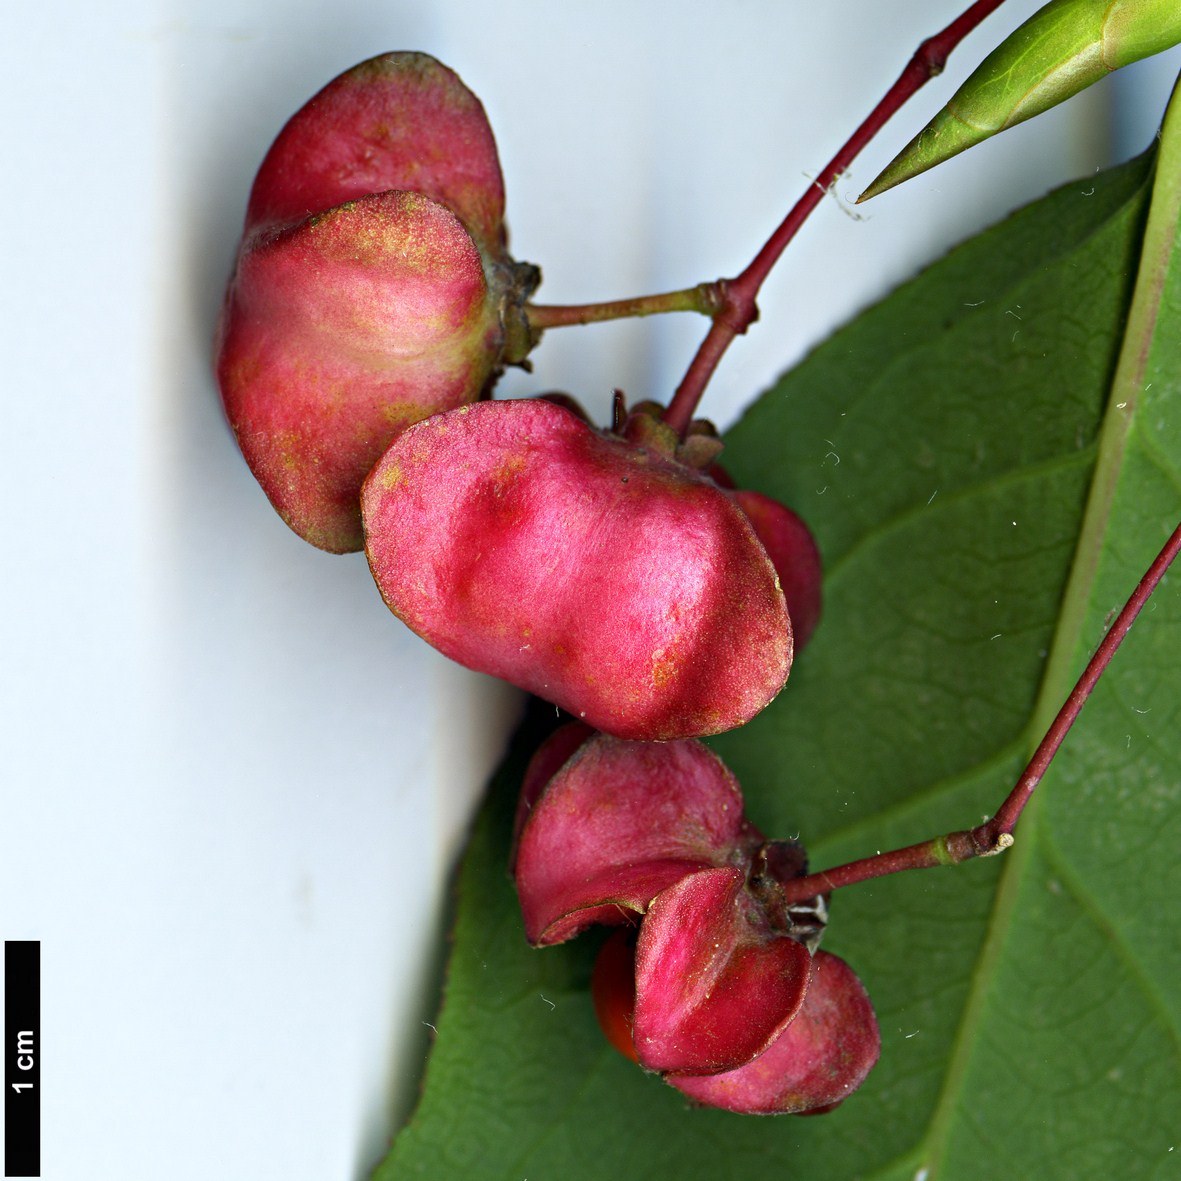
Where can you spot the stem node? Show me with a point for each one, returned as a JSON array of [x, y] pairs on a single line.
[[996, 835], [927, 61]]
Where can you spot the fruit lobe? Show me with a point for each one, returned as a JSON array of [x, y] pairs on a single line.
[[714, 984], [339, 332], [790, 546], [618, 823], [372, 287], [613, 990], [816, 1062], [794, 554], [605, 577], [398, 121], [547, 761]]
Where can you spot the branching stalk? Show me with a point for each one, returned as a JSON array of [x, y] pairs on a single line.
[[740, 310], [996, 835], [706, 298]]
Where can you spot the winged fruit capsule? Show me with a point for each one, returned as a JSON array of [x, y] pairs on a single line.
[[603, 571], [720, 988], [372, 288]]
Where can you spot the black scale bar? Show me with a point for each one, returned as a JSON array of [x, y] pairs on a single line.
[[22, 1058]]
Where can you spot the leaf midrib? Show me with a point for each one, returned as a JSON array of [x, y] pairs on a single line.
[[1114, 438]]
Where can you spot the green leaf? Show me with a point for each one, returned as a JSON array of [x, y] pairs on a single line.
[[945, 449], [1063, 48]]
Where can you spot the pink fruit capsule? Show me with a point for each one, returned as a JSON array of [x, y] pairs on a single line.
[[619, 822], [821, 1057], [597, 573], [372, 288]]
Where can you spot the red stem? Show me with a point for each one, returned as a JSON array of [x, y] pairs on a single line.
[[741, 311], [996, 835], [1010, 811]]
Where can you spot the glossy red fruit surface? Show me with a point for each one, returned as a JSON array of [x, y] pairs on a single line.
[[613, 990], [600, 575], [371, 289]]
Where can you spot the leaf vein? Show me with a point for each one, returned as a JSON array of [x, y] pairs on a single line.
[[1094, 912], [997, 481]]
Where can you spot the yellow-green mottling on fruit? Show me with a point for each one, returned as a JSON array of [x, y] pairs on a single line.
[[372, 287]]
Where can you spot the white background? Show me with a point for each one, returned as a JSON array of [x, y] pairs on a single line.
[[233, 786]]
